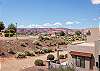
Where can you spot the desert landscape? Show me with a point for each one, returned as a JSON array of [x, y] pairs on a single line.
[[49, 35], [21, 52]]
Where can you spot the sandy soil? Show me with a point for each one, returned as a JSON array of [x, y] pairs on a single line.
[[19, 64]]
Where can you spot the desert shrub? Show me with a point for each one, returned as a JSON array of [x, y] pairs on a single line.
[[29, 53], [61, 33], [20, 55], [11, 51], [50, 57], [50, 50], [66, 56], [46, 50], [61, 42], [36, 52], [23, 45], [40, 38], [61, 56], [39, 62], [46, 38], [78, 33], [9, 33], [37, 43], [26, 43], [6, 34], [88, 33], [39, 52], [2, 53]]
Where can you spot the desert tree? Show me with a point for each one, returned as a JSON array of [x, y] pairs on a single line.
[[1, 26]]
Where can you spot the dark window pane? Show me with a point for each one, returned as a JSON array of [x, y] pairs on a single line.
[[82, 62]]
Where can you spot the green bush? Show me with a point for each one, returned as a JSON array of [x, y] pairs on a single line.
[[50, 57], [6, 34], [20, 55], [50, 50], [39, 62], [46, 50], [62, 56], [61, 33], [28, 53]]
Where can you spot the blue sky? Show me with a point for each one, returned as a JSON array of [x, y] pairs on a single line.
[[51, 13]]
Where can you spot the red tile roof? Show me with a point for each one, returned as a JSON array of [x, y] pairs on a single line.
[[81, 54]]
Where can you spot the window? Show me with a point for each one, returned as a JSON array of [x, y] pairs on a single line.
[[80, 62]]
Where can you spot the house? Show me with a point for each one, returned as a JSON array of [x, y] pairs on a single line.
[[97, 55], [83, 56]]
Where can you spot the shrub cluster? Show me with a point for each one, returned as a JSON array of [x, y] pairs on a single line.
[[39, 62], [47, 50], [39, 52], [8, 34], [50, 57], [29, 53], [62, 56], [20, 55], [24, 54]]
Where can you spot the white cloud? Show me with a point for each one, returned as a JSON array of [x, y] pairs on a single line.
[[21, 26], [95, 1], [69, 22], [57, 24], [46, 24], [72, 22], [96, 19], [99, 18]]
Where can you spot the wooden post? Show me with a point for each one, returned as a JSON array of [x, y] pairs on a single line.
[[48, 64]]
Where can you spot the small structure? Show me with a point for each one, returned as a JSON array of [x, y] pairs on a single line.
[[97, 55], [83, 56], [82, 59]]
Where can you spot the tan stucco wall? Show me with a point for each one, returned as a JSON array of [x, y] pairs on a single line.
[[80, 48], [97, 52]]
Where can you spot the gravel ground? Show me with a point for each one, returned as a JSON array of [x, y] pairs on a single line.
[[19, 64]]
